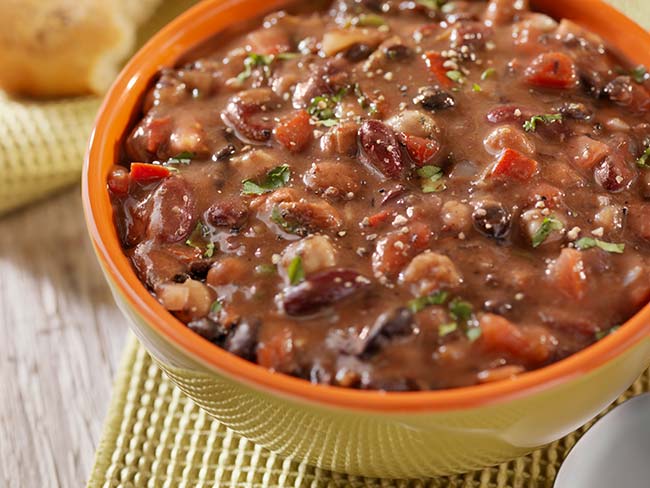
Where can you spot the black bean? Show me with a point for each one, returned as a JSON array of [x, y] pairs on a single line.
[[358, 52], [433, 99], [208, 329], [224, 153], [243, 340], [398, 52], [574, 110], [492, 219]]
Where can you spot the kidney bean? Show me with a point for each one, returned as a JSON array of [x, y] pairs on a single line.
[[613, 173], [321, 290], [241, 109], [173, 216], [380, 148], [229, 212]]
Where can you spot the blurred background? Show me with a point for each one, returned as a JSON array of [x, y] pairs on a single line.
[[61, 335]]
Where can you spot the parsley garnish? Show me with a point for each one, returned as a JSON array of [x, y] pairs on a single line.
[[323, 107], [265, 269], [531, 124], [418, 304], [431, 4], [460, 310], [600, 334], [264, 61], [275, 178], [476, 87], [487, 73], [363, 100], [642, 162], [473, 333], [445, 329], [455, 75], [590, 242], [184, 157], [548, 225], [366, 20], [216, 306], [638, 74], [431, 179], [197, 239], [295, 272]]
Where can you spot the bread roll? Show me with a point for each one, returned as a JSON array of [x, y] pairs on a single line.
[[66, 47]]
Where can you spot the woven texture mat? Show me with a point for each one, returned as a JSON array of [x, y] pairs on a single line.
[[156, 437]]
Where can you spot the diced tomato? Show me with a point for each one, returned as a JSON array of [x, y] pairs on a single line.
[[378, 218], [552, 70], [435, 61], [587, 152], [512, 164], [420, 149], [294, 131], [148, 172], [158, 130], [531, 344], [568, 273]]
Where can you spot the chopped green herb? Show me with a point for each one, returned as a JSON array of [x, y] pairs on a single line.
[[638, 74], [531, 124], [295, 272], [265, 269], [197, 240], [323, 107], [446, 329], [642, 162], [363, 100], [473, 333], [278, 218], [216, 306], [275, 178], [184, 157], [418, 304], [368, 20], [264, 61], [431, 4], [476, 87], [548, 225], [600, 334], [431, 179], [455, 75], [460, 310], [487, 73], [590, 242]]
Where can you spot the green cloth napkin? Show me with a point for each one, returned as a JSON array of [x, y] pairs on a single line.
[[156, 437]]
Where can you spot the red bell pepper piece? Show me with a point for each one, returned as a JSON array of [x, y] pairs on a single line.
[[514, 165], [294, 131], [552, 70], [434, 62], [147, 172], [420, 149]]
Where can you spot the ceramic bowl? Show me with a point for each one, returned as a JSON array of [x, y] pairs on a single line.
[[396, 435]]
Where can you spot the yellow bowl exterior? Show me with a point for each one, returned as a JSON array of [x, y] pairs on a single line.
[[393, 445]]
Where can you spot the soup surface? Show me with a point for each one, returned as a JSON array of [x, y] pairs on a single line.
[[396, 195]]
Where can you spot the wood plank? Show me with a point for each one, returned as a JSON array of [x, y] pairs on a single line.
[[61, 336]]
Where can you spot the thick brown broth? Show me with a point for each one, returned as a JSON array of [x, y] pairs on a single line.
[[395, 195]]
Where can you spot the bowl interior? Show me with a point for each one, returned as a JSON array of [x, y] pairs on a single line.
[[187, 32]]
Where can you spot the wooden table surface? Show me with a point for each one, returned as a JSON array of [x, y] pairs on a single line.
[[61, 337]]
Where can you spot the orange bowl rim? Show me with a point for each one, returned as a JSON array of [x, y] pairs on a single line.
[[175, 36]]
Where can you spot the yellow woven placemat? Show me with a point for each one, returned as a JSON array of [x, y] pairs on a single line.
[[156, 437]]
